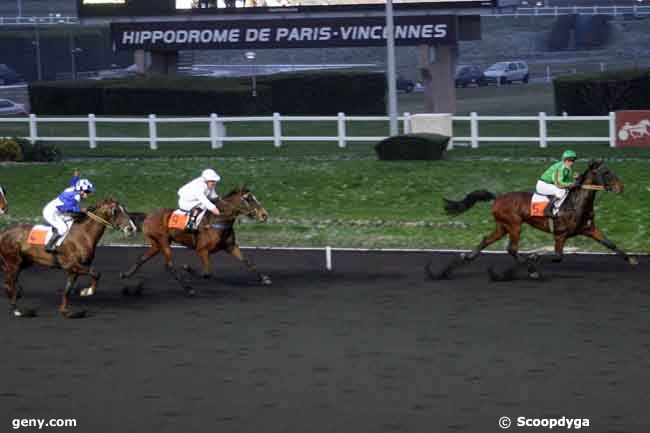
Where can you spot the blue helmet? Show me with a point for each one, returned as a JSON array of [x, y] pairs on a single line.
[[84, 185]]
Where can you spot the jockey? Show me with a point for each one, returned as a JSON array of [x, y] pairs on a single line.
[[66, 203], [556, 182], [194, 197]]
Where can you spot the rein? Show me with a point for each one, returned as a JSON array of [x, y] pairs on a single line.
[[593, 187], [101, 220]]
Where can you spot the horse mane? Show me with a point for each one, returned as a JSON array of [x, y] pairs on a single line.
[[93, 208], [241, 189]]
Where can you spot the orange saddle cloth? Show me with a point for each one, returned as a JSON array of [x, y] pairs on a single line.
[[39, 235], [538, 204], [178, 220]]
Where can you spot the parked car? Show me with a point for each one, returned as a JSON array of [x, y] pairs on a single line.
[[11, 108], [469, 74], [9, 76], [405, 85], [507, 72]]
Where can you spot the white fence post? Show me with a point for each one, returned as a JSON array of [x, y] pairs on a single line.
[[92, 131], [407, 123], [328, 258], [341, 129], [153, 133], [473, 127], [277, 130], [548, 74], [215, 133], [33, 130], [542, 130], [612, 129]]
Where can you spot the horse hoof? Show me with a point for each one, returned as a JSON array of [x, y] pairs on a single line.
[[633, 260], [69, 314], [534, 275], [23, 313], [266, 280], [190, 292], [88, 291], [123, 276]]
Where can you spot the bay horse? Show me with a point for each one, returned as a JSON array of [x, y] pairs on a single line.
[[4, 204], [215, 233], [74, 255], [511, 210]]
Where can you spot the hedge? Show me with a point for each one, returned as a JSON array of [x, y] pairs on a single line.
[[314, 93], [600, 93], [412, 147]]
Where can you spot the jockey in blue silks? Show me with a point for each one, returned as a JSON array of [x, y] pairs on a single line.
[[58, 212]]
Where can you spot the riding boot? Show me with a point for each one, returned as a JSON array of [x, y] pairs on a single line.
[[548, 211], [51, 245], [192, 226]]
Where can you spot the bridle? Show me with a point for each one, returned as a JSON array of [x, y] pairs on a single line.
[[110, 225], [3, 196]]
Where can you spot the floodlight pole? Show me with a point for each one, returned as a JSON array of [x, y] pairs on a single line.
[[392, 80]]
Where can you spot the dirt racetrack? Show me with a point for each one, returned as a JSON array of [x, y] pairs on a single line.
[[373, 346]]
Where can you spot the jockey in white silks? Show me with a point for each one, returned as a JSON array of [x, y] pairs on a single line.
[[194, 197], [58, 212]]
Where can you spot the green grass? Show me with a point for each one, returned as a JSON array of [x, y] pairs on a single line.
[[325, 201]]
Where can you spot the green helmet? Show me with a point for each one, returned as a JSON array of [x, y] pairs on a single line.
[[569, 154]]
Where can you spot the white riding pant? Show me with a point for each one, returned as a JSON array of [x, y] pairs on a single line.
[[187, 204], [544, 188], [56, 219]]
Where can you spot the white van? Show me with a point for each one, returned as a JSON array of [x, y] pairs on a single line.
[[507, 72]]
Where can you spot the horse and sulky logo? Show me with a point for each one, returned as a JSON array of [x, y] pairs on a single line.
[[633, 128]]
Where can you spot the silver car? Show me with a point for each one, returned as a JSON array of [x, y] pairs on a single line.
[[11, 108]]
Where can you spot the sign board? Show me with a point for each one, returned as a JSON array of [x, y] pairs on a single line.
[[288, 33], [151, 8], [633, 128]]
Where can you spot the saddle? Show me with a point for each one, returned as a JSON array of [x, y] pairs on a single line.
[[41, 234], [182, 220]]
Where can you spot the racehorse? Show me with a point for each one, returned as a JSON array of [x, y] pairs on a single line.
[[215, 233], [4, 204], [511, 210], [74, 255]]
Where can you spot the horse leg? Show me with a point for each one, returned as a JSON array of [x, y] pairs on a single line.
[[151, 252], [235, 251], [169, 266], [514, 232], [600, 237], [94, 277], [465, 258], [64, 308]]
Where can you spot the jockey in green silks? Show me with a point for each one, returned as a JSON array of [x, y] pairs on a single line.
[[556, 181]]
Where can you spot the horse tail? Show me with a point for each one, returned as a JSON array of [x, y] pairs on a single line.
[[458, 207]]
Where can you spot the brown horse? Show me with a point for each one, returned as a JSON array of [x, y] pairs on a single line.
[[511, 210], [215, 233], [4, 204], [75, 254]]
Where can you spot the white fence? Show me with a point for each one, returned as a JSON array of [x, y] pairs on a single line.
[[216, 129]]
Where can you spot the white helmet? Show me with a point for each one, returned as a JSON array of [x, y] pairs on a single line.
[[210, 175]]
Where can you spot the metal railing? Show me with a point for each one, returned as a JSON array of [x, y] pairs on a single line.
[[634, 10], [216, 133], [44, 20]]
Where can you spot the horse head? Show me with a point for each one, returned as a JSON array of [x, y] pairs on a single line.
[[241, 201], [114, 215], [597, 173], [4, 205]]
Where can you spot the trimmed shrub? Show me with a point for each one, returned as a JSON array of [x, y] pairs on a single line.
[[38, 152], [10, 150], [412, 147], [600, 93]]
